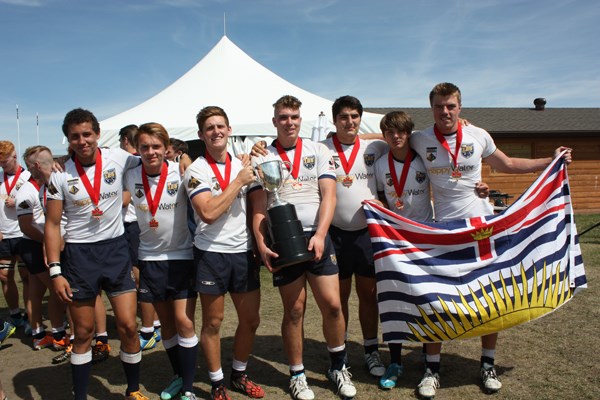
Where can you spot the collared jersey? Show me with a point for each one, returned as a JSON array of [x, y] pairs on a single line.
[[171, 240], [67, 186], [455, 199], [358, 185], [304, 193], [416, 203], [9, 225], [229, 233], [28, 203]]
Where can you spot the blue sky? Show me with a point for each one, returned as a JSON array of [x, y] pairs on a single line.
[[110, 55]]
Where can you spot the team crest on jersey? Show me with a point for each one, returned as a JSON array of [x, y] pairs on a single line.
[[110, 176], [18, 186], [73, 189], [467, 150], [431, 154], [139, 190], [24, 205], [309, 162], [420, 176], [193, 183], [52, 189], [333, 258], [388, 180], [336, 162], [172, 188], [215, 184], [369, 159]]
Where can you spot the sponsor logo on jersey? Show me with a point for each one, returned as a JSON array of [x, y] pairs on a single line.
[[172, 188], [208, 283], [467, 150], [369, 159], [73, 189], [388, 180], [309, 162], [193, 183], [52, 189], [336, 162], [431, 154], [420, 176], [24, 205], [18, 186]]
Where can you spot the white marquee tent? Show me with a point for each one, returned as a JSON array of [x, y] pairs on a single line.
[[229, 78]]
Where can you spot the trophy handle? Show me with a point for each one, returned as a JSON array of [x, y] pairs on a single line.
[[288, 170]]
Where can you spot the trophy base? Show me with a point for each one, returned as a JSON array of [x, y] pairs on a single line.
[[287, 236]]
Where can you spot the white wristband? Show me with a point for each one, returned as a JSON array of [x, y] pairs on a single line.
[[54, 271]]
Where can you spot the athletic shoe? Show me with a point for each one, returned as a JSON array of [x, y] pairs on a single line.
[[392, 373], [299, 388], [19, 321], [42, 343], [491, 383], [219, 393], [64, 356], [172, 389], [188, 396], [157, 336], [342, 380], [246, 386], [61, 344], [7, 330], [374, 364], [27, 329], [147, 344], [429, 384], [136, 396], [100, 352]]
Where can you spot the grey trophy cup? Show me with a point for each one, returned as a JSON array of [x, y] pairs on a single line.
[[285, 229]]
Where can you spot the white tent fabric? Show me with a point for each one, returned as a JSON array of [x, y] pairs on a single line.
[[229, 78]]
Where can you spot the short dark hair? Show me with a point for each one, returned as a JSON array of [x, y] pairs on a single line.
[[79, 116], [445, 89], [129, 132], [179, 145], [398, 120], [346, 102]]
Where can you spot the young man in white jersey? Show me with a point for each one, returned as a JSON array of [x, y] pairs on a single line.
[[150, 329], [311, 188], [30, 200], [12, 178], [402, 187], [217, 185], [96, 254], [354, 159], [166, 267], [453, 154]]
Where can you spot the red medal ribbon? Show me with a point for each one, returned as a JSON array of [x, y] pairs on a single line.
[[154, 202], [93, 192], [223, 182], [399, 183], [297, 156], [442, 139], [10, 187], [346, 164]]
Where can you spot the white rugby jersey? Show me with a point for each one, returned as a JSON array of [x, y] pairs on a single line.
[[358, 185], [28, 203], [9, 225], [415, 194], [229, 233], [455, 199], [316, 163], [81, 226], [171, 240]]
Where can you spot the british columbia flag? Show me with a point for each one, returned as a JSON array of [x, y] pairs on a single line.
[[459, 279]]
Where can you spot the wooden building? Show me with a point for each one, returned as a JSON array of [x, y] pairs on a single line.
[[533, 133]]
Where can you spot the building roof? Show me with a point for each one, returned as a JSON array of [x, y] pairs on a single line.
[[517, 121]]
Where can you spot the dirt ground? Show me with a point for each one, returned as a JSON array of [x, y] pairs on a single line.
[[552, 357]]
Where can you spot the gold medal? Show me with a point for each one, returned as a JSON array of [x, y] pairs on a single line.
[[153, 224], [347, 181], [456, 174], [296, 185], [399, 204], [97, 213]]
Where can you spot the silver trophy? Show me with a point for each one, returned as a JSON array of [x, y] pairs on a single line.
[[285, 229]]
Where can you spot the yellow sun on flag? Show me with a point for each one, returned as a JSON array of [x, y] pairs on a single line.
[[503, 309]]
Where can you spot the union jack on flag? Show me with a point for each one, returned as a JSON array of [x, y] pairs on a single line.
[[459, 279]]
